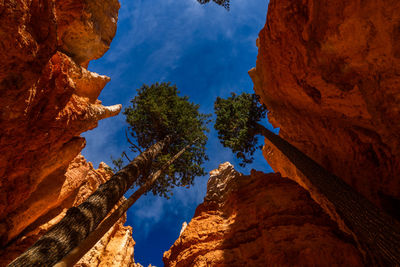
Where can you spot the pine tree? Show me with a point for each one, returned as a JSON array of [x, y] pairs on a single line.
[[76, 254], [158, 111], [237, 124], [162, 123]]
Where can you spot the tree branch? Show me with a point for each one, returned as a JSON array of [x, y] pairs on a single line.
[[130, 142], [126, 156]]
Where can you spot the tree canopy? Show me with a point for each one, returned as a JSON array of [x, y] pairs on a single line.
[[156, 112], [236, 123], [224, 3]]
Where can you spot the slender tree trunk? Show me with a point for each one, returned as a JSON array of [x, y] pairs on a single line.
[[77, 253], [372, 226], [83, 219]]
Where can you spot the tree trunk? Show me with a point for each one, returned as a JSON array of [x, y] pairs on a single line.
[[83, 219], [77, 253], [372, 226]]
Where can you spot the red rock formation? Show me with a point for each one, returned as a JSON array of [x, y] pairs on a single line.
[[86, 28], [47, 99], [80, 180], [328, 72], [259, 220]]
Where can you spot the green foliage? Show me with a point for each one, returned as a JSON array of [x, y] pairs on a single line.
[[118, 163], [237, 119], [224, 3], [157, 112]]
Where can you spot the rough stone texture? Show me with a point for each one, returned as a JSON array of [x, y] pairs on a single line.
[[114, 249], [260, 220], [80, 180], [329, 74], [40, 143], [47, 99], [28, 39], [86, 27]]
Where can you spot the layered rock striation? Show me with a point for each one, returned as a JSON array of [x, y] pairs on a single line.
[[328, 72], [260, 220], [47, 99]]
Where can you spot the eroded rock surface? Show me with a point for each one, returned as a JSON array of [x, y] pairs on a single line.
[[260, 220], [86, 27], [80, 180], [329, 74], [47, 99]]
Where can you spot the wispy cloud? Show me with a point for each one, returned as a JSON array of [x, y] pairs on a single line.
[[105, 140], [207, 52], [147, 212]]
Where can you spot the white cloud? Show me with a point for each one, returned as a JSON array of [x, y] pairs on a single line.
[[105, 140], [154, 38]]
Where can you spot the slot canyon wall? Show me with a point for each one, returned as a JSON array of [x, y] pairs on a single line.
[[260, 220], [329, 74], [47, 99]]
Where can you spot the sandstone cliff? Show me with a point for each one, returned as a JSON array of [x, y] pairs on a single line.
[[47, 99], [260, 220], [114, 249], [328, 72]]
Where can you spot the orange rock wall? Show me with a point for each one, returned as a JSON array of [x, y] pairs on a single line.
[[259, 220], [80, 179], [328, 72], [47, 99]]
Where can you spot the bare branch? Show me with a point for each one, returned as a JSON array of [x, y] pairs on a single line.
[[133, 144], [126, 156]]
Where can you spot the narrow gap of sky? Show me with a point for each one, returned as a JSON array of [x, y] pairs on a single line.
[[204, 50]]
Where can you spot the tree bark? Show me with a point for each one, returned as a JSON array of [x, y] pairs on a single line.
[[83, 219], [77, 253], [372, 226]]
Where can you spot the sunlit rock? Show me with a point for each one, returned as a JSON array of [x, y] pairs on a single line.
[[260, 220], [86, 27], [47, 99], [328, 72]]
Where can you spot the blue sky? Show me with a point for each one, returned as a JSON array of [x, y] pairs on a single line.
[[204, 50]]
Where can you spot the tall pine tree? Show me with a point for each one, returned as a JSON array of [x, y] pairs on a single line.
[[90, 241], [162, 123], [238, 125], [157, 111]]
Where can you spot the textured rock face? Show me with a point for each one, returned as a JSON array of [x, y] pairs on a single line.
[[80, 180], [86, 28], [44, 109], [328, 72], [114, 249], [259, 220], [47, 99]]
